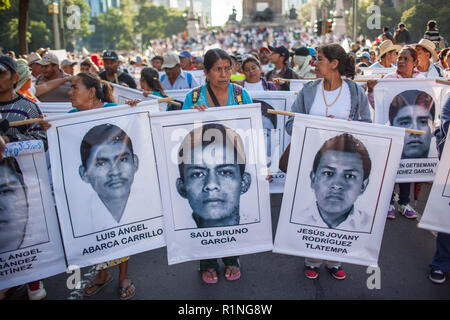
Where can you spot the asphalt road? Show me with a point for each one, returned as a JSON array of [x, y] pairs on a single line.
[[405, 254]]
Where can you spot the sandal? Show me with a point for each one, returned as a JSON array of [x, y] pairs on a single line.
[[99, 286], [213, 274], [124, 290], [231, 276]]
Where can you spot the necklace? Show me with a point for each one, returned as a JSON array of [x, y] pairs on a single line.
[[325, 100]]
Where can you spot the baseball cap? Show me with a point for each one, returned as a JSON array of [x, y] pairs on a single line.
[[67, 62], [185, 54], [264, 48], [281, 50], [303, 51], [33, 58], [171, 59], [110, 55], [49, 58], [7, 63], [198, 58], [364, 54]]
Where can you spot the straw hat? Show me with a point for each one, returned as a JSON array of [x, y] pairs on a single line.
[[387, 46], [429, 46]]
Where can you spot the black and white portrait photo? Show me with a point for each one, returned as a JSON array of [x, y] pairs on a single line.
[[339, 176], [414, 109], [339, 184], [108, 165], [212, 175], [213, 187], [17, 219], [106, 183]]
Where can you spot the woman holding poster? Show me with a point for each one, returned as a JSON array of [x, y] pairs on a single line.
[[406, 68], [89, 92], [332, 97], [218, 91]]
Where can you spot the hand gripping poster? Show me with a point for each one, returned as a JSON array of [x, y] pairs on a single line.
[[212, 170], [276, 137], [412, 104], [106, 185], [436, 216], [338, 188], [30, 243]]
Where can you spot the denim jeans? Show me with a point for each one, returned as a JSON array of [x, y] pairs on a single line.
[[405, 189], [441, 258]]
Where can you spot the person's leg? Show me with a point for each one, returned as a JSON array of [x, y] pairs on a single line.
[[391, 210], [100, 280], [208, 269], [310, 262], [404, 207], [312, 268], [126, 286], [441, 261], [36, 290], [232, 268], [336, 270]]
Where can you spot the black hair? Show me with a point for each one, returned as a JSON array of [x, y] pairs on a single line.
[[264, 107], [443, 53], [346, 66], [151, 77], [103, 89], [411, 51], [251, 59], [214, 55], [345, 143], [158, 58], [411, 98], [102, 134], [431, 24], [199, 133]]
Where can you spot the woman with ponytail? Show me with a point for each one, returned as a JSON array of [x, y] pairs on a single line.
[[335, 97], [150, 83]]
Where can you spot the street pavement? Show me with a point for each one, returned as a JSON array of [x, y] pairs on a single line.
[[405, 254]]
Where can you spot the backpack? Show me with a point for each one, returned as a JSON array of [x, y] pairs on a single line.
[[237, 94], [189, 78]]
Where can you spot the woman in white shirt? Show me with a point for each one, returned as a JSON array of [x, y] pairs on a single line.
[[254, 81]]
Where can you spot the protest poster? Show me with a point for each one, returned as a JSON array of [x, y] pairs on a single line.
[[338, 189], [30, 243], [179, 95], [436, 215], [297, 84], [105, 182], [412, 104], [377, 71], [198, 75], [277, 138], [212, 170], [54, 108]]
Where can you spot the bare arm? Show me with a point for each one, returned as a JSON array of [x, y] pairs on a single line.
[[50, 85]]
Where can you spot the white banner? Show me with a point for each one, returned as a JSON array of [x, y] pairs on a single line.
[[54, 108], [412, 104], [30, 243], [437, 210], [377, 71], [297, 84], [277, 138], [212, 170], [338, 189], [106, 184], [179, 95]]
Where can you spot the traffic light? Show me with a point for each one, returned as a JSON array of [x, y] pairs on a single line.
[[329, 26], [318, 27]]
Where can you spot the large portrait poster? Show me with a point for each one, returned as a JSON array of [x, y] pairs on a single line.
[[436, 216], [30, 243], [276, 136], [412, 104], [338, 188], [106, 184], [212, 170]]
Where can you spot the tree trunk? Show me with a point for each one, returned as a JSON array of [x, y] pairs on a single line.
[[23, 23]]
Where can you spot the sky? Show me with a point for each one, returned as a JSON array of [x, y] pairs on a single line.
[[221, 9]]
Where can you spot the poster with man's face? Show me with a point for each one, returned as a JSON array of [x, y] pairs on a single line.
[[412, 104], [106, 184], [30, 245], [212, 173], [276, 137], [436, 215], [338, 187]]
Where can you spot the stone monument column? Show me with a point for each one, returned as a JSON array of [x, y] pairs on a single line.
[[192, 23], [339, 28]]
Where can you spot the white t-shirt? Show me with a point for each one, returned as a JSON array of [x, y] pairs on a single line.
[[340, 109], [254, 86]]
